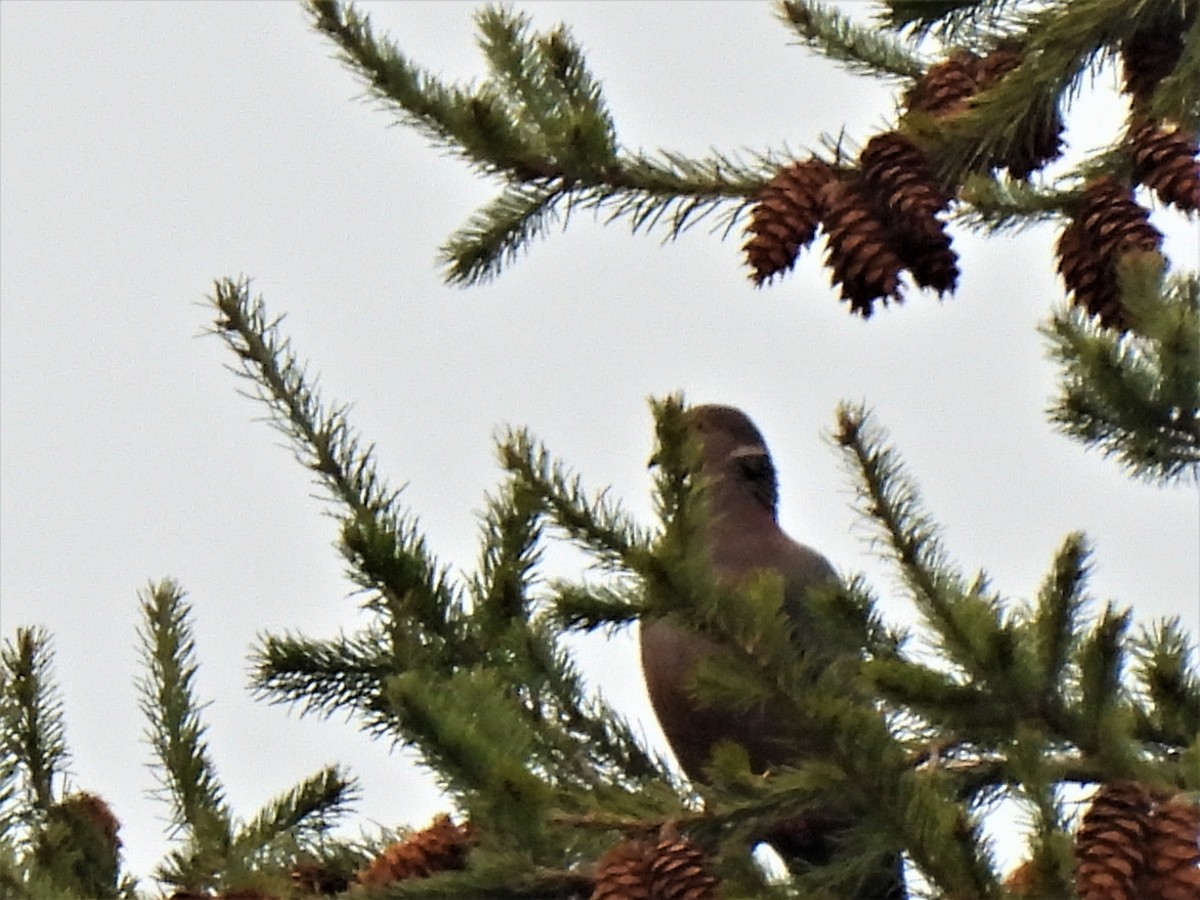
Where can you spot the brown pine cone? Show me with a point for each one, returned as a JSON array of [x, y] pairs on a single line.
[[1110, 847], [1165, 161], [1114, 221], [859, 248], [900, 172], [1172, 870], [680, 871], [1087, 276], [1149, 55], [624, 873], [440, 847], [786, 217], [945, 89], [311, 876], [1005, 57], [906, 190]]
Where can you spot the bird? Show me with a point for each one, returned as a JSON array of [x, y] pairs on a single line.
[[743, 537]]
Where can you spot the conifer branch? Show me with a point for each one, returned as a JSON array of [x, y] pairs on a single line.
[[862, 49], [593, 522], [500, 231], [481, 747], [993, 204], [948, 20], [33, 736], [965, 616], [512, 533], [321, 438], [187, 775], [324, 677], [1137, 396], [1168, 667], [296, 818], [1055, 621]]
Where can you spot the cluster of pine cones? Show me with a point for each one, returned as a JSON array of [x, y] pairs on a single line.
[[1134, 843], [881, 215]]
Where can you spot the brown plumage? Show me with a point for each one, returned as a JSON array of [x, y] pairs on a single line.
[[744, 537]]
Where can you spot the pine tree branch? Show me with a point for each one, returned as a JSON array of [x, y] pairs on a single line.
[[33, 735], [861, 49], [1055, 622], [951, 21], [1135, 397], [500, 231], [296, 818], [323, 677], [992, 204], [593, 522], [1168, 670], [322, 440], [965, 616], [187, 775], [472, 733], [512, 533]]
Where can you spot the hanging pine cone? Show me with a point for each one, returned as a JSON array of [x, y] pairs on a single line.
[[1001, 60], [623, 873], [1041, 141], [313, 877], [1165, 161], [900, 172], [1149, 55], [1173, 852], [1110, 847], [909, 196], [944, 89], [1087, 277], [1114, 220], [440, 847], [786, 217], [679, 870], [1107, 225], [859, 248]]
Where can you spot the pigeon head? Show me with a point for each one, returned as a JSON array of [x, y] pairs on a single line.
[[735, 456]]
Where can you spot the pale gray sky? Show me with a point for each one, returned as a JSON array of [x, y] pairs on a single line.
[[149, 148]]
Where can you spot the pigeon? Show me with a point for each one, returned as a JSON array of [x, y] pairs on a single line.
[[743, 538]]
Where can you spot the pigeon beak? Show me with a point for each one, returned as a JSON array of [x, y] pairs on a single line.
[[653, 461]]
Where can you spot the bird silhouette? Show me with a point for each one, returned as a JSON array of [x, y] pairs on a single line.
[[743, 537]]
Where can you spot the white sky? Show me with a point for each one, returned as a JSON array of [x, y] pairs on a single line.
[[149, 148]]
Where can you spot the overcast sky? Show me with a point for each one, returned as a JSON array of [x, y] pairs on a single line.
[[149, 148]]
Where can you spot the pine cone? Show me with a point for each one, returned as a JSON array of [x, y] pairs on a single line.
[[624, 873], [944, 89], [78, 845], [1005, 57], [1107, 225], [679, 870], [440, 847], [1110, 847], [911, 200], [1086, 276], [1149, 55], [859, 248], [1173, 852], [786, 217], [1115, 221], [1165, 161], [898, 169], [311, 876], [1042, 141]]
